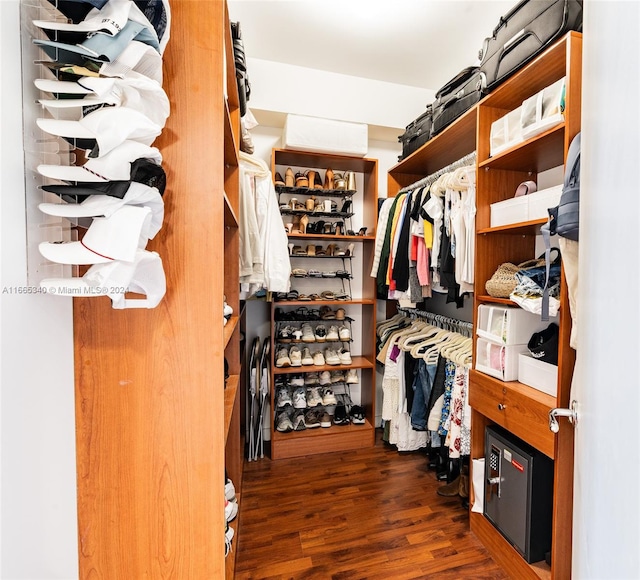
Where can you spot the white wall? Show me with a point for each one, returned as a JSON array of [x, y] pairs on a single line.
[[606, 530], [38, 494]]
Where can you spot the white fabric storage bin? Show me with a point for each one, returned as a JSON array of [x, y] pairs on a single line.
[[538, 374], [510, 211], [508, 324], [325, 136], [540, 201], [505, 132], [543, 110], [498, 360]]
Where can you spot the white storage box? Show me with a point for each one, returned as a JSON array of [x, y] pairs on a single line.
[[543, 110], [505, 132], [510, 211], [325, 136], [508, 324], [540, 201], [538, 374], [498, 360]]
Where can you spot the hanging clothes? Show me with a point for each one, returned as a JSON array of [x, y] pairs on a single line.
[[264, 255]]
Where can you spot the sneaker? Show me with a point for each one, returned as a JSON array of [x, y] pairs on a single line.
[[333, 335], [282, 358], [325, 378], [318, 359], [295, 356], [337, 377], [313, 397], [283, 397], [299, 398], [328, 398], [344, 355], [325, 419], [340, 416], [311, 378], [352, 377], [296, 335], [357, 415], [321, 333], [311, 419], [298, 421], [284, 334], [345, 333], [307, 359], [331, 357], [228, 537], [229, 490], [284, 424], [307, 333], [297, 381], [230, 510]]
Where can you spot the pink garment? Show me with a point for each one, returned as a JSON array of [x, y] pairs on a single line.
[[422, 263]]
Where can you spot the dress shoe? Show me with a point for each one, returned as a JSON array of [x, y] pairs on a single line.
[[289, 180], [328, 179], [277, 180], [350, 178]]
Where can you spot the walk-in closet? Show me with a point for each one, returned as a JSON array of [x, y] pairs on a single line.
[[334, 290]]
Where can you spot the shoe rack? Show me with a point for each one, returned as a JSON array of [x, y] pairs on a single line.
[[330, 271], [520, 409], [155, 425]]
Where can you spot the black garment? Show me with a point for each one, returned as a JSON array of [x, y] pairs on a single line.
[[400, 272], [448, 270], [410, 370]]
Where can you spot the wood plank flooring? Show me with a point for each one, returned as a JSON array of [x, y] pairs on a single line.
[[371, 514]]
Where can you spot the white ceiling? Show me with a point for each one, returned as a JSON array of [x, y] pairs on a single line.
[[421, 43]]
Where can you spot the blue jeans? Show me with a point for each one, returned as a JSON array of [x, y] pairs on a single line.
[[422, 384]]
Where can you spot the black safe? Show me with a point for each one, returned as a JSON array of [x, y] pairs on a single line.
[[518, 493]]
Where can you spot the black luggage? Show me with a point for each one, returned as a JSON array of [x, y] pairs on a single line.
[[416, 134], [456, 97], [524, 32]]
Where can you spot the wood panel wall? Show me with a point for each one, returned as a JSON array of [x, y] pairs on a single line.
[[149, 384]]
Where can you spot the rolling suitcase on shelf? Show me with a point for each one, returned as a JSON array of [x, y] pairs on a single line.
[[417, 133], [457, 97], [523, 33]]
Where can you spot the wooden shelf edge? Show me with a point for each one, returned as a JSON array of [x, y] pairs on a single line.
[[517, 228], [321, 302], [531, 393], [358, 362], [494, 300], [228, 329], [504, 553], [230, 219], [230, 391], [332, 237], [230, 145]]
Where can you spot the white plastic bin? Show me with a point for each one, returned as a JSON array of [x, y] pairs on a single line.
[[543, 110], [505, 132], [510, 211], [498, 360], [508, 324], [540, 201], [540, 375]]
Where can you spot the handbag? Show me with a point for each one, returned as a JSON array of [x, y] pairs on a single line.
[[504, 281]]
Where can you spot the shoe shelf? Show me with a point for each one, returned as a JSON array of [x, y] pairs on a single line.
[[229, 328], [320, 257], [322, 276], [327, 302], [356, 238], [230, 390], [283, 189], [357, 362], [301, 212]]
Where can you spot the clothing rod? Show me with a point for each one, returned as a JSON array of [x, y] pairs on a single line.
[[441, 321], [468, 159]]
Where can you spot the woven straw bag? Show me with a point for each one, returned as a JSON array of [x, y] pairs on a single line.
[[503, 281]]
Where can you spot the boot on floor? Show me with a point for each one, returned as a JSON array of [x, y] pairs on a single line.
[[451, 489]]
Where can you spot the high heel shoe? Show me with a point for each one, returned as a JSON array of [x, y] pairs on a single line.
[[288, 177], [339, 182], [350, 178], [311, 250], [295, 227], [362, 231], [327, 229], [349, 251], [331, 248], [311, 176], [290, 248], [302, 180], [328, 179], [319, 226], [339, 228], [346, 206], [310, 203], [277, 180], [288, 227], [304, 221]]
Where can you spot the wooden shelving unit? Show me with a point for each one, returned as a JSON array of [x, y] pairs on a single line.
[[519, 408], [360, 308]]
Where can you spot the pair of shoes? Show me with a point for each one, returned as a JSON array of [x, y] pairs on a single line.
[[283, 422], [312, 418], [313, 397], [328, 396], [283, 397], [352, 377], [340, 416], [230, 510]]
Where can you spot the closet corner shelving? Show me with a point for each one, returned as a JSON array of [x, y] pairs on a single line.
[[516, 407], [360, 308], [521, 409]]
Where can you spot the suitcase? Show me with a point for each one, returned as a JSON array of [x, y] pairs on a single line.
[[417, 133], [456, 97], [523, 33]]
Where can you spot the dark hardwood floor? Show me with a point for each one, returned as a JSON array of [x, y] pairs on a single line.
[[371, 514]]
